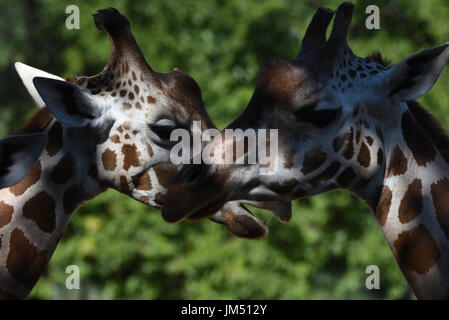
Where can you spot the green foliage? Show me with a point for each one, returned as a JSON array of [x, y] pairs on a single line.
[[124, 249]]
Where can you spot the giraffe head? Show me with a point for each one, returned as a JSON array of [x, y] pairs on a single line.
[[127, 112], [332, 111]]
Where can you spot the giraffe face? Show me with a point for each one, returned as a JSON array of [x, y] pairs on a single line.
[[331, 110], [134, 158], [128, 117]]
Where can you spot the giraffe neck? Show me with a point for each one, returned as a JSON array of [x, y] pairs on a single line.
[[410, 199], [35, 212]]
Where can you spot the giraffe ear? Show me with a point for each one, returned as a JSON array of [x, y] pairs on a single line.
[[68, 103], [18, 154], [415, 76], [27, 74]]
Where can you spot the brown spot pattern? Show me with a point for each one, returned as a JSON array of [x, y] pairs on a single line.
[[25, 263], [6, 212], [41, 209], [398, 163], [124, 187], [440, 192], [417, 140], [150, 99], [109, 160], [144, 182], [64, 170], [71, 199], [416, 250], [131, 156], [165, 173], [288, 159], [411, 204], [383, 206], [115, 138], [364, 157], [313, 160], [346, 177], [31, 178], [54, 143]]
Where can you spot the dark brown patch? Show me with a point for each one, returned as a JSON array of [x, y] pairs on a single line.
[[150, 99], [417, 140], [397, 164], [313, 160], [326, 174], [25, 263], [126, 105], [380, 156], [285, 187], [138, 105], [6, 212], [432, 127], [357, 136], [54, 143], [288, 159], [109, 160], [131, 156], [115, 138], [145, 199], [131, 96], [416, 250], [93, 171], [440, 192], [149, 149], [346, 177], [159, 199], [72, 199], [347, 139], [165, 173], [144, 182], [31, 178], [364, 157], [411, 204], [124, 187], [369, 140], [136, 89], [64, 170], [383, 206], [123, 93], [134, 76], [41, 209]]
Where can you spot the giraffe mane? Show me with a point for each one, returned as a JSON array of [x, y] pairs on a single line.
[[427, 121], [377, 57], [38, 122], [432, 127]]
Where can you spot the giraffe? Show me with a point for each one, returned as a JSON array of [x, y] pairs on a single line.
[[346, 122], [106, 131]]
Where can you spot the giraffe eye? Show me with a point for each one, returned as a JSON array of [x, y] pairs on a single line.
[[319, 118], [162, 131]]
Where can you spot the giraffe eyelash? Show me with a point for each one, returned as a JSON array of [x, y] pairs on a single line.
[[319, 118]]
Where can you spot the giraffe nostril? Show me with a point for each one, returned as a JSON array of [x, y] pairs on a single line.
[[190, 173]]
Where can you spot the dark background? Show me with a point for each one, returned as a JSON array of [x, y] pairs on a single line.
[[125, 250]]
